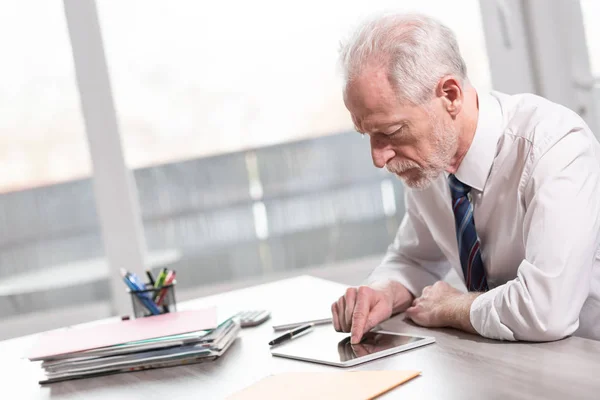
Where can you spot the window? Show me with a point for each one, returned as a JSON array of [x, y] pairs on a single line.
[[591, 11], [47, 209], [43, 138], [231, 114], [198, 79]]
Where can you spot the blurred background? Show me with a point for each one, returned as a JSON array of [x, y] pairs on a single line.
[[211, 138]]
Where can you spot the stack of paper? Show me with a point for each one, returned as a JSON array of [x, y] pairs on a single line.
[[148, 351]]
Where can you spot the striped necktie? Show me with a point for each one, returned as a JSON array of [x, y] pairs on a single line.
[[468, 242]]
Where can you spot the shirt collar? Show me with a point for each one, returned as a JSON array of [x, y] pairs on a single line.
[[475, 167]]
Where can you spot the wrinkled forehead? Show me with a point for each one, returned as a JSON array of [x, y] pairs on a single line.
[[370, 89], [367, 98], [372, 109]]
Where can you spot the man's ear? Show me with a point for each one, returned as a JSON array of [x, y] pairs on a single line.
[[450, 91]]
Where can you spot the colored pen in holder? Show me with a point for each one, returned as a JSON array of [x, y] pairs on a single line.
[[153, 300]]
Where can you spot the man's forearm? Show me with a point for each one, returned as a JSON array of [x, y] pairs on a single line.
[[442, 306], [457, 312], [398, 294]]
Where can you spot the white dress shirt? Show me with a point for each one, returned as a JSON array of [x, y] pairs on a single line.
[[534, 167]]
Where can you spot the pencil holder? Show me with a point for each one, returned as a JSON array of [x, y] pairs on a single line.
[[153, 301]]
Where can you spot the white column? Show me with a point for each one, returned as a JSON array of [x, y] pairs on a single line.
[[507, 46], [115, 192], [560, 55], [539, 46]]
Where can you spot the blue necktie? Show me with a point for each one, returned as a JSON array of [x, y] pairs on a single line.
[[468, 242]]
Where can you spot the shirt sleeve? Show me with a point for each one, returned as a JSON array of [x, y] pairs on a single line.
[[561, 236], [413, 259]]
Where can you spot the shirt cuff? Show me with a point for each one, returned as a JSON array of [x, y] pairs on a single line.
[[485, 318]]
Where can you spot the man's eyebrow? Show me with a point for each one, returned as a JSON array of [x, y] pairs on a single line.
[[399, 124]]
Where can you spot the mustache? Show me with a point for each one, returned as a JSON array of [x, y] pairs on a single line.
[[398, 167]]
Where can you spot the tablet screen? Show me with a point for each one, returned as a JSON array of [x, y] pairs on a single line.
[[372, 342], [325, 345]]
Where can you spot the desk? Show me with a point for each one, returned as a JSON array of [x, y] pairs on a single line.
[[458, 366]]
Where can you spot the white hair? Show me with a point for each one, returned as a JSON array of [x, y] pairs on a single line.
[[417, 50]]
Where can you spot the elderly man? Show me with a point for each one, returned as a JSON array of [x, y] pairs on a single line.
[[504, 189]]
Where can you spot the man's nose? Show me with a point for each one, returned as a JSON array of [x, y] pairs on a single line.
[[381, 154]]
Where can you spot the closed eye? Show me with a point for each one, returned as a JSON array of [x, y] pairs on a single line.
[[397, 131]]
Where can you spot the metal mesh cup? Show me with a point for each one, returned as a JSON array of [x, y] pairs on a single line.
[[163, 298]]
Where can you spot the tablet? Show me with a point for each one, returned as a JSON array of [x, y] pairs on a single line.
[[326, 346]]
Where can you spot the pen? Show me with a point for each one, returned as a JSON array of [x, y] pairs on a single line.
[[160, 279], [150, 277], [169, 280], [291, 334], [136, 287]]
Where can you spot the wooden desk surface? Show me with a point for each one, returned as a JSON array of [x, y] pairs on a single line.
[[457, 366]]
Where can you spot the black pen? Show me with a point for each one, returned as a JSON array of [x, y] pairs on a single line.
[[293, 333], [150, 277]]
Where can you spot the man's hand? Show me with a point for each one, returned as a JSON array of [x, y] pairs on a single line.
[[441, 305], [362, 308]]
